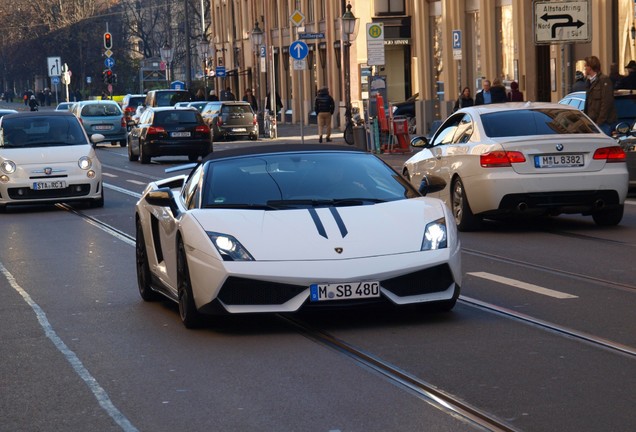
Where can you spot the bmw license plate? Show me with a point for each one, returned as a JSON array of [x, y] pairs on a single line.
[[344, 291], [179, 134], [239, 130], [56, 184], [559, 161]]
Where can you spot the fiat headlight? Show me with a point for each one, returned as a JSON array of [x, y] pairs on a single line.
[[229, 247], [435, 235], [8, 166], [85, 162]]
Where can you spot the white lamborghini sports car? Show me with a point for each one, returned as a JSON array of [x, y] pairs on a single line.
[[282, 227]]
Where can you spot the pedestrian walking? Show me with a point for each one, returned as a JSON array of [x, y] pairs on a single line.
[[227, 95], [213, 97], [514, 95], [484, 97], [33, 103], [251, 99], [629, 80], [599, 98], [498, 91], [579, 82], [324, 107], [464, 100]]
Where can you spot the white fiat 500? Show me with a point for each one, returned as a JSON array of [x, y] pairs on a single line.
[[523, 158], [283, 227], [46, 158]]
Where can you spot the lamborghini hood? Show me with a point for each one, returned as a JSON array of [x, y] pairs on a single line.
[[327, 232]]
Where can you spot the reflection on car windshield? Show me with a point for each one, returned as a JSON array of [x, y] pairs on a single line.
[[301, 181], [41, 132], [536, 122], [176, 116], [100, 110]]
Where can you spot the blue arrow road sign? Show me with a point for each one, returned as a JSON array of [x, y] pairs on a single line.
[[109, 62], [55, 80], [298, 50], [220, 71]]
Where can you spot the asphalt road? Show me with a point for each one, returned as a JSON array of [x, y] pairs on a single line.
[[543, 338]]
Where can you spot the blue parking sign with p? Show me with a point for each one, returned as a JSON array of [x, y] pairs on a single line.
[[457, 39]]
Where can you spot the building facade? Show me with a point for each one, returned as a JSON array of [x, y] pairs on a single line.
[[432, 49]]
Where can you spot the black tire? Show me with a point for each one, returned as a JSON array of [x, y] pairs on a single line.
[[143, 268], [98, 203], [143, 158], [609, 217], [122, 143], [190, 317], [131, 157], [464, 217], [348, 134]]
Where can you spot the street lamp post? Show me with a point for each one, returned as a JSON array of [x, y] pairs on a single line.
[[348, 22], [166, 53], [257, 40], [203, 48]]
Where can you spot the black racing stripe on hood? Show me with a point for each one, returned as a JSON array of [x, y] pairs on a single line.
[[319, 226], [339, 221]]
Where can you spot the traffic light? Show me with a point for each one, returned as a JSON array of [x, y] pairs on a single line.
[[108, 76], [108, 40]]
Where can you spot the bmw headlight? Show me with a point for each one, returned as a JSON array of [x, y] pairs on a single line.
[[8, 166], [85, 162], [229, 247], [435, 235]]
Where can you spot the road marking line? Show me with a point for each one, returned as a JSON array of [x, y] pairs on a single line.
[[523, 285], [137, 182], [109, 174], [97, 390], [122, 190]]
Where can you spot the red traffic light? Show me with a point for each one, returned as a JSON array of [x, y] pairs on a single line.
[[108, 40]]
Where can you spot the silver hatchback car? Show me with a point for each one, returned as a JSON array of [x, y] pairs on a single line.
[[103, 117]]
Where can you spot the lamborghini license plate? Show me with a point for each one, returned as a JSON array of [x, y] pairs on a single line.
[[344, 291]]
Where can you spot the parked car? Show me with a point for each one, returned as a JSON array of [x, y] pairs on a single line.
[[232, 119], [625, 103], [166, 97], [169, 131], [104, 117], [65, 106], [45, 158], [129, 105], [282, 227], [523, 158]]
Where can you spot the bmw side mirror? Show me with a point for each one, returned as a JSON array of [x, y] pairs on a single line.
[[431, 184], [622, 128], [419, 142]]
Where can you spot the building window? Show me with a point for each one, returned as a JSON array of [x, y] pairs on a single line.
[[311, 16], [389, 7]]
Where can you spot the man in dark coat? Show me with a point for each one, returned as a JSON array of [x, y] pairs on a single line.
[[484, 97], [324, 106], [629, 81], [599, 98]]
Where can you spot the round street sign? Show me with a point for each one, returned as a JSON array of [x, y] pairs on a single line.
[[109, 62], [298, 50], [55, 80]]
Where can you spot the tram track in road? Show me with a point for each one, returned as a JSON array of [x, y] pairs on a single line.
[[422, 389]]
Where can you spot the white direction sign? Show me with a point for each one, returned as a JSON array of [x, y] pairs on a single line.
[[375, 44], [562, 22], [300, 64], [55, 66]]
